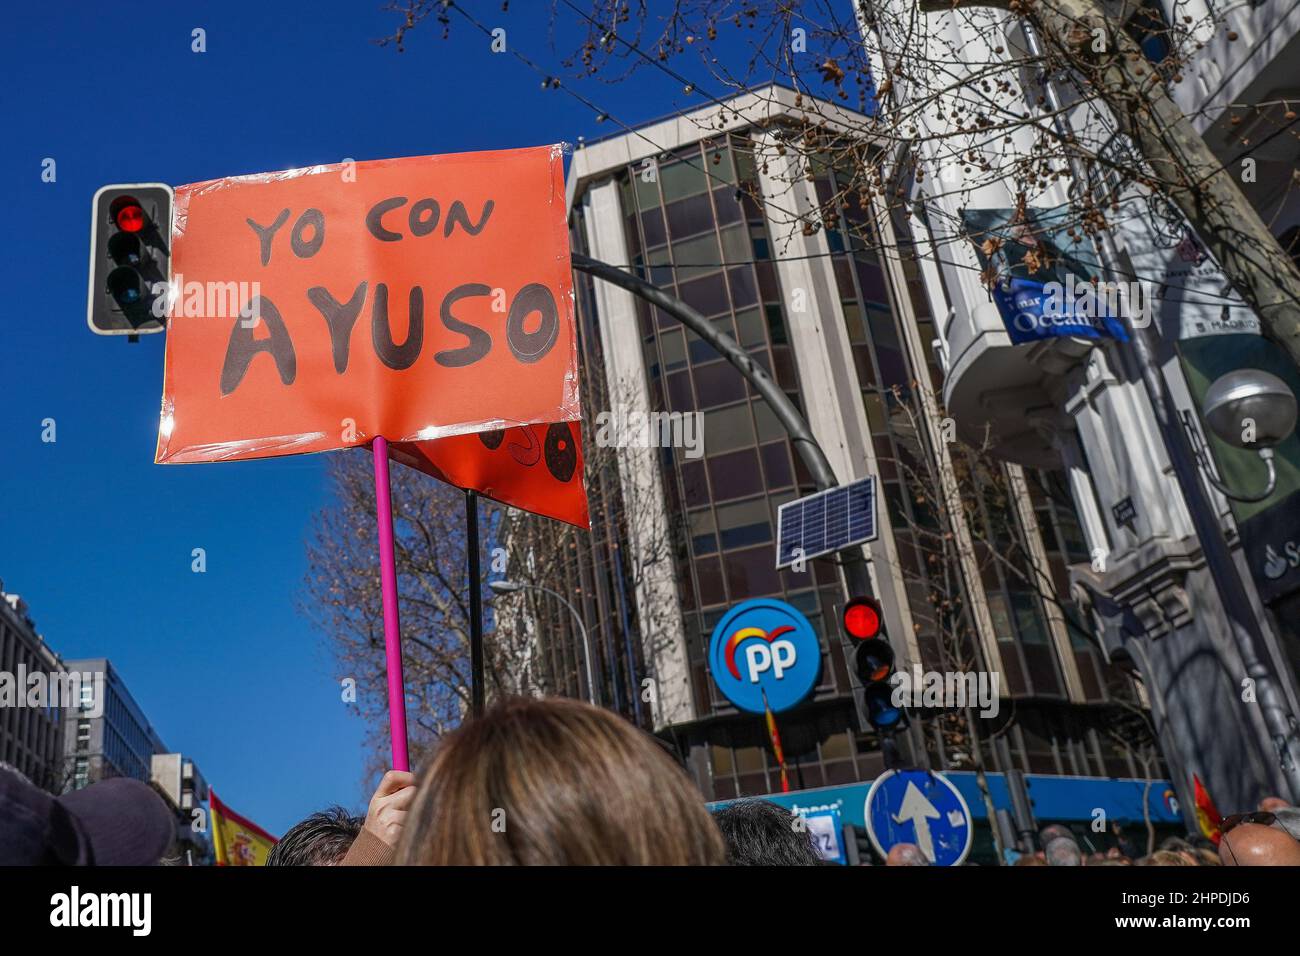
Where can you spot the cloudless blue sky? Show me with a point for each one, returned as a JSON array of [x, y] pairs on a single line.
[[93, 535]]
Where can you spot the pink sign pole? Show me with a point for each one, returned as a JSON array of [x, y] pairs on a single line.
[[388, 580]]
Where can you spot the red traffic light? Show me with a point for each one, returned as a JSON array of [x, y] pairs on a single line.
[[129, 226], [128, 214], [862, 618]]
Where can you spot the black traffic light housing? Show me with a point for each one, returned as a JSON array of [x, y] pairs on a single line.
[[130, 258], [863, 620], [857, 846]]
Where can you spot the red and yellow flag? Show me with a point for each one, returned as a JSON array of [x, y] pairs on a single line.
[[1208, 817], [236, 840], [776, 743]]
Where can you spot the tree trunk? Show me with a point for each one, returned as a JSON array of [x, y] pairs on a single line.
[[982, 781]]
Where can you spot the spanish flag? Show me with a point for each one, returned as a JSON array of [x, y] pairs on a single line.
[[236, 840], [776, 742], [1208, 817]]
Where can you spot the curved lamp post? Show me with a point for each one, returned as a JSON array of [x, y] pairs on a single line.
[[1249, 395], [801, 437], [512, 587]]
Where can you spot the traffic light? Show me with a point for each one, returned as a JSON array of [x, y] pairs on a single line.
[[130, 258], [873, 662]]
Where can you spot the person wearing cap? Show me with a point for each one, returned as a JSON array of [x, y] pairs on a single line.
[[116, 822]]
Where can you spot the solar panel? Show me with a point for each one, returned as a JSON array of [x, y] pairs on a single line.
[[828, 521]]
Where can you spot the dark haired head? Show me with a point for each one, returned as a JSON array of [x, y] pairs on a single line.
[[759, 833], [320, 840]]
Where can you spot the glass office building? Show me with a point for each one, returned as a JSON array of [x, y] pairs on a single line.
[[697, 207]]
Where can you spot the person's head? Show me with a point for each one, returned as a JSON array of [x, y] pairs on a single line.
[[323, 839], [1031, 859], [1257, 844], [1273, 804], [905, 854], [1055, 831], [1182, 848], [556, 781], [116, 822], [1063, 851], [1161, 858], [759, 833]]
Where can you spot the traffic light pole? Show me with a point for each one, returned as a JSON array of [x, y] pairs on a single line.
[[856, 578]]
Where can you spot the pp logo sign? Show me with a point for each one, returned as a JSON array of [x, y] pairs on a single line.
[[765, 648]]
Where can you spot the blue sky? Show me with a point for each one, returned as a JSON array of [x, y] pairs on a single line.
[[96, 537]]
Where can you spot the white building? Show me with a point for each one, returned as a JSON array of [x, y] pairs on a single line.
[[1080, 405], [31, 737]]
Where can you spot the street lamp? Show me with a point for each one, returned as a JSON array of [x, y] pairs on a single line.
[[1248, 408], [511, 587]]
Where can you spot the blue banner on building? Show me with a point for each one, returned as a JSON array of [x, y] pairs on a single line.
[[1124, 800], [1045, 282]]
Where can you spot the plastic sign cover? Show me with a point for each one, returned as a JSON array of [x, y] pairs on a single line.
[[425, 299], [534, 467]]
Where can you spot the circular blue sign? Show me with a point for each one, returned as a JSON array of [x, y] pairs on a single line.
[[922, 808], [765, 647]]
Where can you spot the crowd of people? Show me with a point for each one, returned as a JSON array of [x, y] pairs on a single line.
[[1269, 836], [548, 781]]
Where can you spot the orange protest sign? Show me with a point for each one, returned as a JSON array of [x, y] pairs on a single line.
[[416, 299], [534, 467]]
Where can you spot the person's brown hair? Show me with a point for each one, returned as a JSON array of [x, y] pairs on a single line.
[[555, 781], [1165, 858]]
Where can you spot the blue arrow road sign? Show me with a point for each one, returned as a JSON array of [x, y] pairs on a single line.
[[915, 806]]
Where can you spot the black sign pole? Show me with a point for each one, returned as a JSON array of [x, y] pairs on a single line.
[[475, 605]]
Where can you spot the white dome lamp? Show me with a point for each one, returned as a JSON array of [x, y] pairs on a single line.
[[1250, 409]]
